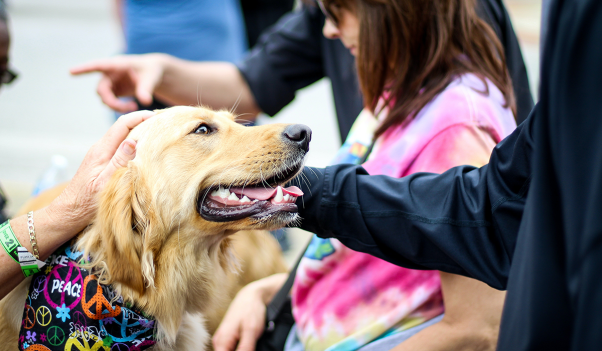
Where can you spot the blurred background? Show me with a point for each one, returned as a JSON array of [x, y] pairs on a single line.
[[47, 112]]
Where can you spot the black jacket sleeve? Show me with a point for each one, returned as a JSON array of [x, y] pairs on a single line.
[[464, 221], [287, 57]]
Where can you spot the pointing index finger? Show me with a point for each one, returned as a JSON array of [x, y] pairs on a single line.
[[103, 65]]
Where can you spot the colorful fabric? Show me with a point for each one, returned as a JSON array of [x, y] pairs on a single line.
[[67, 309], [343, 299]]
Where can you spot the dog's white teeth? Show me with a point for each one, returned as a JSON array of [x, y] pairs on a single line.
[[221, 192], [245, 199], [286, 197], [293, 199], [215, 193], [279, 196], [232, 196], [255, 200]]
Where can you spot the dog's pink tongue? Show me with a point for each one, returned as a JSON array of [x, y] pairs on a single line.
[[266, 193]]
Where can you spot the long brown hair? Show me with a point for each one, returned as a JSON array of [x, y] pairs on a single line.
[[410, 50]]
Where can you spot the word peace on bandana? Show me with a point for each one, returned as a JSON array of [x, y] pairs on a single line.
[[64, 285]]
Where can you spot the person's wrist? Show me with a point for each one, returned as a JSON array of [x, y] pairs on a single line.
[[65, 216], [255, 290], [266, 288], [166, 64]]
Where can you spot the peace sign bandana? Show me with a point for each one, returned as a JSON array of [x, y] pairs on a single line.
[[67, 309]]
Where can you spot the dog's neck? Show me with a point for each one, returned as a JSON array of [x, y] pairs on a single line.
[[182, 278]]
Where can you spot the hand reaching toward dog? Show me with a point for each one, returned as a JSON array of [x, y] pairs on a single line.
[[172, 80], [75, 208], [127, 75], [244, 321]]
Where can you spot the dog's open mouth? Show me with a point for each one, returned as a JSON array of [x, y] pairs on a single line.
[[257, 201]]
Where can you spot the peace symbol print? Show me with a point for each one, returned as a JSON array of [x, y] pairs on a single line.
[[55, 336], [68, 288], [37, 347], [126, 327], [29, 320], [38, 286], [74, 340], [43, 316], [99, 301]]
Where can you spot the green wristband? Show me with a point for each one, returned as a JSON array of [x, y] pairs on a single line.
[[29, 264], [9, 241]]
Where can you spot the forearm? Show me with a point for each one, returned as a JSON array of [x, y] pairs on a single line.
[[50, 235], [218, 85]]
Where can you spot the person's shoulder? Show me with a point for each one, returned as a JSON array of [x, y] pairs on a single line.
[[474, 101]]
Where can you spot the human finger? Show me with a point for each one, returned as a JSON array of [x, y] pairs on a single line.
[[225, 340], [108, 144], [102, 65], [147, 82], [248, 338], [108, 97], [124, 154]]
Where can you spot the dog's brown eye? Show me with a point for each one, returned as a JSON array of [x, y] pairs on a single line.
[[202, 129]]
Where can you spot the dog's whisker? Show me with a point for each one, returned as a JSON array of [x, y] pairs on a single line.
[[198, 95], [235, 106]]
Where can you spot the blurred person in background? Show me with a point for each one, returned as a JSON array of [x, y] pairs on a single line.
[[290, 55], [195, 30], [431, 104], [260, 14]]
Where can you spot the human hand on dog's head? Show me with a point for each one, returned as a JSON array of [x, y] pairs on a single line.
[[77, 204], [126, 75]]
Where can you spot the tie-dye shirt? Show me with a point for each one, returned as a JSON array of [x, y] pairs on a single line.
[[343, 299]]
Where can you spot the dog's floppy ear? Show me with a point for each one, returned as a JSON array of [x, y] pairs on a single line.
[[124, 218]]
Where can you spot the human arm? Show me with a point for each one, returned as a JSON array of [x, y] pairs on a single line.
[[471, 320], [245, 319], [74, 209], [177, 82], [287, 58], [464, 221]]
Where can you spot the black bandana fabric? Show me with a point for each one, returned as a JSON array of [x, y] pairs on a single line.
[[67, 309]]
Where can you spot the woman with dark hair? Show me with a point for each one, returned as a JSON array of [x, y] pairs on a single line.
[[437, 94]]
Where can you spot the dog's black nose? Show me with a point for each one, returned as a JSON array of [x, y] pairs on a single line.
[[299, 134]]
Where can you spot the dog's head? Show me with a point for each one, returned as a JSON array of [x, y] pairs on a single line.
[[197, 177]]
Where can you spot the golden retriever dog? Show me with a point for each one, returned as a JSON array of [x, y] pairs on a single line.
[[164, 235]]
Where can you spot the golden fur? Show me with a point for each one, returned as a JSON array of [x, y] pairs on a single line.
[[151, 244]]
